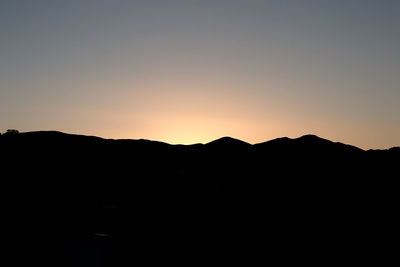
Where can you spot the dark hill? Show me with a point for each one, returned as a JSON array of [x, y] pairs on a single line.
[[228, 142], [308, 142], [222, 203]]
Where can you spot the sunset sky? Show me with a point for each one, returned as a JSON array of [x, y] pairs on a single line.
[[192, 71]]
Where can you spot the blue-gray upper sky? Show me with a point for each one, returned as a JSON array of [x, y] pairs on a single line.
[[192, 71]]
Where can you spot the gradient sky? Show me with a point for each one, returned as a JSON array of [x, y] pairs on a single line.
[[193, 71]]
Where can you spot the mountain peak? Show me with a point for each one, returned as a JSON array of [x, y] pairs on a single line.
[[312, 138], [224, 141]]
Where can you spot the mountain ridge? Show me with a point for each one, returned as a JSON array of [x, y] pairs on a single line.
[[226, 140]]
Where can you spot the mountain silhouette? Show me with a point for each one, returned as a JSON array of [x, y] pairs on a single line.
[[228, 141], [226, 202]]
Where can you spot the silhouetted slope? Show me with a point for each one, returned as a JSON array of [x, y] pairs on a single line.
[[187, 204]]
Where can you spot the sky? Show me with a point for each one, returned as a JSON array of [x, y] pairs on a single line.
[[193, 71]]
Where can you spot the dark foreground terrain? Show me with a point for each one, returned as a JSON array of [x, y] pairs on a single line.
[[72, 200]]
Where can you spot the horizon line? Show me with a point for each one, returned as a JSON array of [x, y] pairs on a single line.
[[199, 143]]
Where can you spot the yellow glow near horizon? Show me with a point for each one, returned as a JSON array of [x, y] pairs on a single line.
[[187, 112]]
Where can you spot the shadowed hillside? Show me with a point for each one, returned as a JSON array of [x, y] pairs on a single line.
[[122, 202]]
